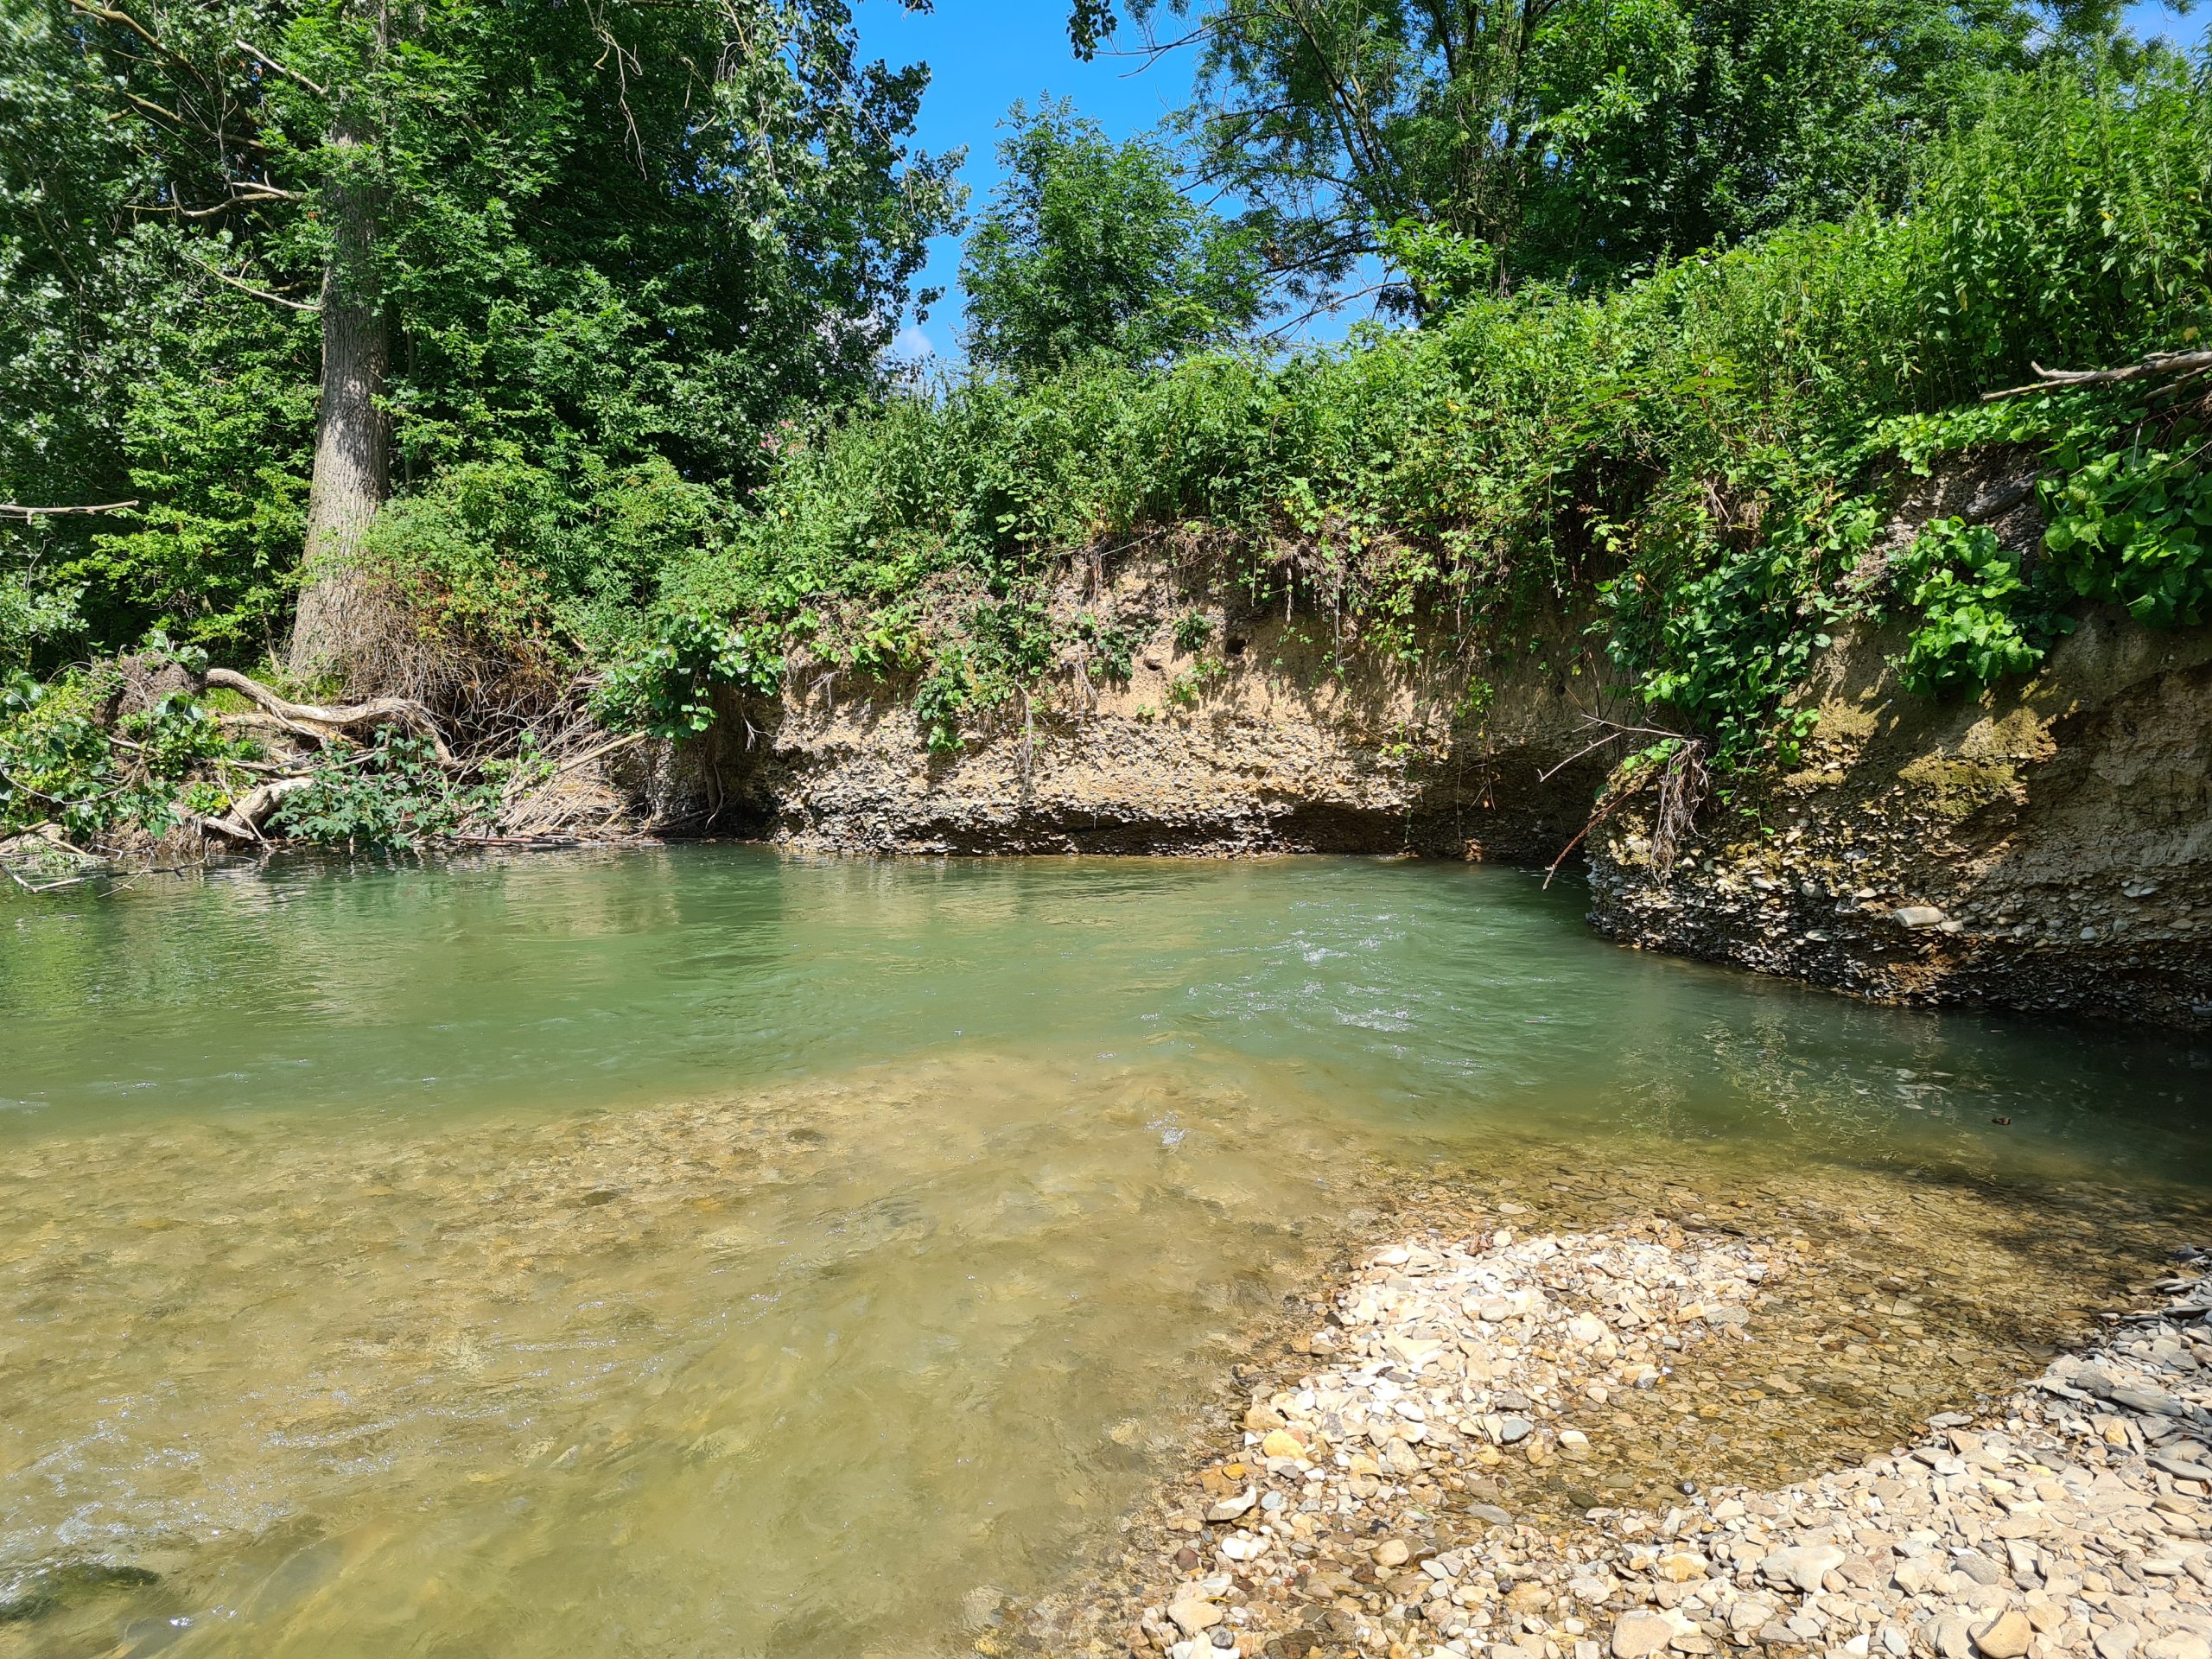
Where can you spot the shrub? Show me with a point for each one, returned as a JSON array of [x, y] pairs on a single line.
[[395, 796]]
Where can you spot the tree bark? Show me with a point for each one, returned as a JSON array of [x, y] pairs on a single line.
[[352, 446]]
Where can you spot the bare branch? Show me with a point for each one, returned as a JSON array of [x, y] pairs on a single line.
[[248, 287], [2157, 365], [257, 53], [48, 886], [10, 510]]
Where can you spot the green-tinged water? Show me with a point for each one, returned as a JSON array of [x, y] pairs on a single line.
[[700, 1252]]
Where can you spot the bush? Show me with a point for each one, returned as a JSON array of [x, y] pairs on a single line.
[[59, 764], [532, 569], [395, 796]]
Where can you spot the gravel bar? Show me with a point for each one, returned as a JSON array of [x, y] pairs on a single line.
[[2068, 1518]]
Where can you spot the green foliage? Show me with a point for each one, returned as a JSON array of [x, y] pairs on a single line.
[[215, 443], [396, 797], [1968, 587], [36, 615], [1003, 648], [2133, 527], [668, 689], [538, 571], [612, 242], [1193, 632], [1110, 650], [1725, 639], [1089, 248], [1589, 138], [1691, 458], [60, 765], [1187, 686]]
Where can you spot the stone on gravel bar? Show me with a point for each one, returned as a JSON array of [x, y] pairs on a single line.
[[1636, 1635], [2004, 1637]]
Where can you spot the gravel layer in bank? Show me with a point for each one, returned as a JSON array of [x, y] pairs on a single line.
[[2066, 1518]]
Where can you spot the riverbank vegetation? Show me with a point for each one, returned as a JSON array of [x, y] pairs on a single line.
[[1698, 460], [525, 365]]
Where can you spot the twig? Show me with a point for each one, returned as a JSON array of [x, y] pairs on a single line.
[[2182, 364], [255, 51], [1615, 730], [590, 755], [1683, 782]]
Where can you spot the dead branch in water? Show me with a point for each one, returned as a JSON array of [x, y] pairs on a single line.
[[2157, 365], [1681, 779], [314, 720]]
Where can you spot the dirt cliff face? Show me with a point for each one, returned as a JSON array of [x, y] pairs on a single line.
[[1248, 743], [2046, 845]]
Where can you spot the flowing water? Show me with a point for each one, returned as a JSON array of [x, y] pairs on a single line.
[[701, 1252]]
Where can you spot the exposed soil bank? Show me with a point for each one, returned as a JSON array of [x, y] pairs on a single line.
[[2048, 846], [1250, 743]]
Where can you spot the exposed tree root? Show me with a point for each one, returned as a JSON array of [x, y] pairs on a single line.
[[320, 723]]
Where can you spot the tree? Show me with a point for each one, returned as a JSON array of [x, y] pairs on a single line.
[[351, 244], [1090, 248], [1571, 139]]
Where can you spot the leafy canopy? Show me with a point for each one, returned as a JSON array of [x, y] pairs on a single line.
[[1090, 248], [609, 235], [1582, 138]]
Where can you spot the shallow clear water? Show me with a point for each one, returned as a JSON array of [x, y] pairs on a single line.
[[702, 1251]]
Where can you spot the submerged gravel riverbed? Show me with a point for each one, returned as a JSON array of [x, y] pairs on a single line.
[[1362, 1511]]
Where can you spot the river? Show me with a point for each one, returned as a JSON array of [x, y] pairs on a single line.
[[703, 1251]]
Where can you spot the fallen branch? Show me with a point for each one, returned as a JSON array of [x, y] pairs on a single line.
[[590, 755], [10, 510], [49, 886], [2158, 364], [315, 721], [251, 809]]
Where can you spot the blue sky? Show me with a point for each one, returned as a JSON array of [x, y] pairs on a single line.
[[984, 54]]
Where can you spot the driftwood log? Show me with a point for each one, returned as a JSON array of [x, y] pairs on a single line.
[[251, 809]]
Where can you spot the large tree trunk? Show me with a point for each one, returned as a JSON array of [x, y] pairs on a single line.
[[351, 444]]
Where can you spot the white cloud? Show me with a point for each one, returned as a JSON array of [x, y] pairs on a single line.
[[912, 343]]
